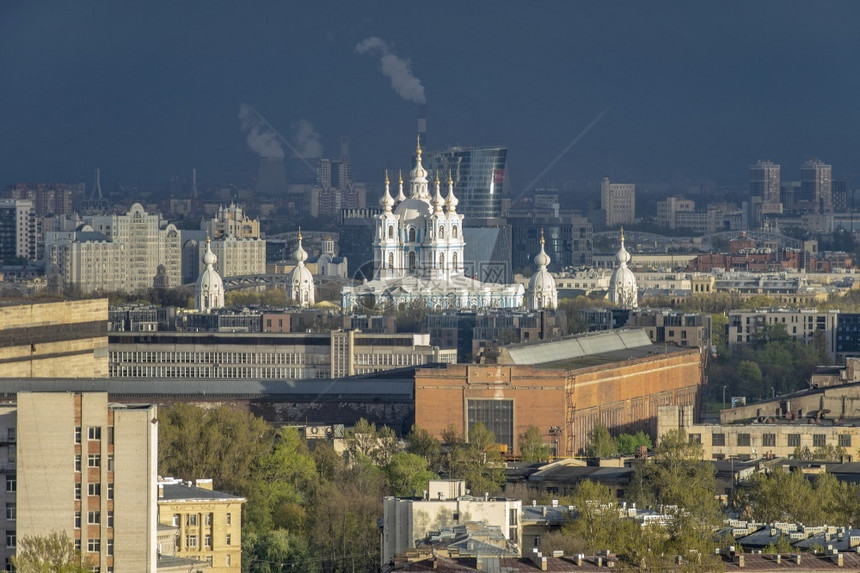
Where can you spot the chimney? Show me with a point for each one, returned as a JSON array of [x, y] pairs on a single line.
[[838, 559], [739, 559], [777, 558], [579, 557], [543, 510], [160, 490]]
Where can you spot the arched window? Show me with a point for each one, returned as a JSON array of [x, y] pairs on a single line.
[[391, 231], [411, 234], [454, 232], [441, 232], [412, 259], [390, 260], [442, 261], [454, 260]]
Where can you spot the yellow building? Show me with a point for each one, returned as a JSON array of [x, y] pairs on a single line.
[[54, 339], [208, 522]]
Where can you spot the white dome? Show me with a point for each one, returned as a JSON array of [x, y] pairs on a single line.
[[622, 284], [210, 280], [542, 280], [209, 290], [412, 210], [300, 276]]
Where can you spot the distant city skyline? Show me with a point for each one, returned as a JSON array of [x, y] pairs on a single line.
[[694, 91]]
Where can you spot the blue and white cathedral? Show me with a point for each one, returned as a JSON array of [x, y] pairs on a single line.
[[418, 253]]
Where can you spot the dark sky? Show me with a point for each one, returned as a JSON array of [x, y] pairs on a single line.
[[694, 90]]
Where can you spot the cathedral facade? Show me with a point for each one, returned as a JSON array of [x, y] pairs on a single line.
[[418, 254]]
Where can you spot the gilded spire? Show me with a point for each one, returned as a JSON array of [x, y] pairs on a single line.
[[300, 233], [541, 236], [418, 146], [622, 233], [387, 182]]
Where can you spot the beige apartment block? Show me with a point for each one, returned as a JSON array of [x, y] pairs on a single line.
[[208, 523], [75, 463], [56, 339], [771, 438]]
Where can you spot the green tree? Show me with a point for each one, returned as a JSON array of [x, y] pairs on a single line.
[[52, 553], [224, 444], [628, 443], [601, 444], [408, 474], [532, 446], [478, 461], [276, 551], [422, 443], [597, 518]]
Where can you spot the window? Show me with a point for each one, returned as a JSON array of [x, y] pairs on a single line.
[[412, 261], [229, 539], [77, 491], [94, 545], [110, 463], [390, 232], [77, 520], [77, 544], [229, 521], [819, 440], [695, 438], [110, 546], [94, 433], [497, 416], [412, 235], [93, 489], [208, 519], [77, 462], [719, 439], [110, 434], [768, 440], [794, 440], [209, 560], [94, 461], [10, 539], [536, 541], [191, 519], [94, 517], [110, 491], [110, 519], [78, 435], [207, 541], [845, 440], [454, 232], [10, 511], [190, 541], [177, 519], [743, 439]]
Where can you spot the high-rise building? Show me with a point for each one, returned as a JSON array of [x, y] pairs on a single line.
[[47, 198], [18, 230], [816, 186], [479, 178], [78, 464], [764, 190], [115, 253], [618, 200], [568, 241]]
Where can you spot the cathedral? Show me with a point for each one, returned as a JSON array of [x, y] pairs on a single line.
[[418, 254], [622, 284]]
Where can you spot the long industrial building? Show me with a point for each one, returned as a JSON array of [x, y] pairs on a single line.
[[616, 378]]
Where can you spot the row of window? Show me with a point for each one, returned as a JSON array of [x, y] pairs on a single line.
[[793, 440], [94, 433], [93, 461], [191, 540], [93, 490], [93, 518], [191, 519]]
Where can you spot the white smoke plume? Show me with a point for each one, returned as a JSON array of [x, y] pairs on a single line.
[[261, 137], [398, 70], [306, 140]]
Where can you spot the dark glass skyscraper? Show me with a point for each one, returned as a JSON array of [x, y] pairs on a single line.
[[479, 178]]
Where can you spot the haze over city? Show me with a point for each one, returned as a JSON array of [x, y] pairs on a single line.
[[690, 91]]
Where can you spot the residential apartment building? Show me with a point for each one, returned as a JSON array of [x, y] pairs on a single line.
[[18, 231], [76, 463], [816, 186], [802, 324], [619, 202], [292, 356], [115, 253], [208, 523], [237, 256]]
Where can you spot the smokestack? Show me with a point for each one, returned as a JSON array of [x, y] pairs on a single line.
[[194, 183], [344, 147], [97, 187], [422, 124]]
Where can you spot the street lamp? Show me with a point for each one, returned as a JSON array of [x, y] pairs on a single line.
[[724, 397]]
